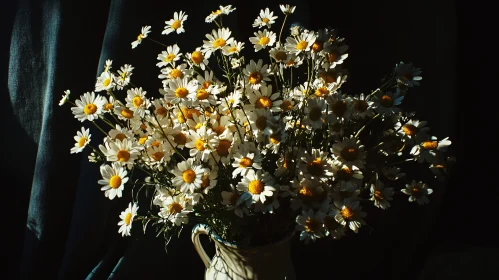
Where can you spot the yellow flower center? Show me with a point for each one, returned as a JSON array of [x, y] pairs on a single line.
[[347, 213], [263, 102], [175, 208], [256, 187], [345, 174], [315, 114], [205, 181], [302, 45], [89, 109], [317, 46], [315, 167], [181, 92], [202, 94], [430, 145], [127, 113], [161, 111], [290, 62], [416, 192], [245, 162], [409, 129], [180, 138], [281, 56], [176, 24], [176, 73], [305, 191], [265, 20], [349, 153], [386, 101], [197, 57], [255, 78], [223, 148], [142, 140], [286, 105], [198, 126], [120, 136], [170, 57], [232, 50], [339, 108], [139, 38], [128, 219], [189, 176], [106, 82], [115, 182], [361, 106], [157, 156], [264, 41], [217, 12], [143, 126], [322, 92], [218, 43], [82, 141], [108, 106], [123, 155], [199, 145], [329, 76], [332, 56], [378, 195], [219, 130], [137, 101], [206, 84], [155, 144], [275, 138], [261, 123], [312, 225]]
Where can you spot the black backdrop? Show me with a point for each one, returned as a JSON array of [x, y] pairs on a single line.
[[72, 232]]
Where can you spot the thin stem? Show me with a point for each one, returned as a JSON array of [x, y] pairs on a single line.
[[282, 27], [102, 130], [157, 42], [362, 128]]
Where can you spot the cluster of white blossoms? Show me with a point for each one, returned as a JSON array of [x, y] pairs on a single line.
[[251, 134]]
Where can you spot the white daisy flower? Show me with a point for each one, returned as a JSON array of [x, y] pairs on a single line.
[[348, 179], [256, 73], [311, 225], [179, 90], [279, 53], [333, 228], [263, 98], [124, 113], [202, 143], [88, 107], [176, 209], [385, 102], [176, 24], [275, 139], [127, 219], [108, 104], [417, 191], [124, 76], [234, 47], [179, 137], [169, 56], [232, 101], [263, 122], [65, 97], [315, 165], [265, 19], [198, 58], [223, 152], [137, 102], [315, 113], [188, 176], [301, 43], [350, 152], [412, 131], [124, 152], [349, 213], [171, 73], [428, 150], [216, 40], [158, 154], [104, 82], [236, 62], [145, 30], [246, 157], [340, 105], [295, 30], [209, 179], [222, 11], [287, 9], [381, 195], [82, 139], [259, 185], [113, 180], [236, 202], [335, 54], [307, 193], [362, 106], [293, 61], [407, 74]]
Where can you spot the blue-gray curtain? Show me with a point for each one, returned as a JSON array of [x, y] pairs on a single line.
[[60, 224]]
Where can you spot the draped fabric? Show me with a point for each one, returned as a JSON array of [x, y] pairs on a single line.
[[62, 226]]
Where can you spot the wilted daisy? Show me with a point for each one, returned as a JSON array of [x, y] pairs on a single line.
[[385, 102], [127, 219], [407, 74], [287, 9], [263, 39], [246, 158], [169, 56], [198, 58], [176, 24], [350, 152], [142, 35], [381, 195], [259, 184], [176, 209], [311, 225], [137, 102], [88, 107], [300, 43], [257, 73], [65, 97], [82, 139], [265, 19], [216, 40], [113, 180], [417, 191], [178, 90], [349, 213], [188, 176], [222, 11], [202, 142]]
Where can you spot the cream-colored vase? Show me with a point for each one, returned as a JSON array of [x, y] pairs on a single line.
[[270, 262]]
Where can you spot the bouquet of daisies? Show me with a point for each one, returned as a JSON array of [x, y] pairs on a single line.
[[259, 147]]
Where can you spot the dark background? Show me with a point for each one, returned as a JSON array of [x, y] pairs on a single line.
[[72, 230]]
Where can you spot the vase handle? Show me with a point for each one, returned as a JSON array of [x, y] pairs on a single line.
[[196, 231]]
